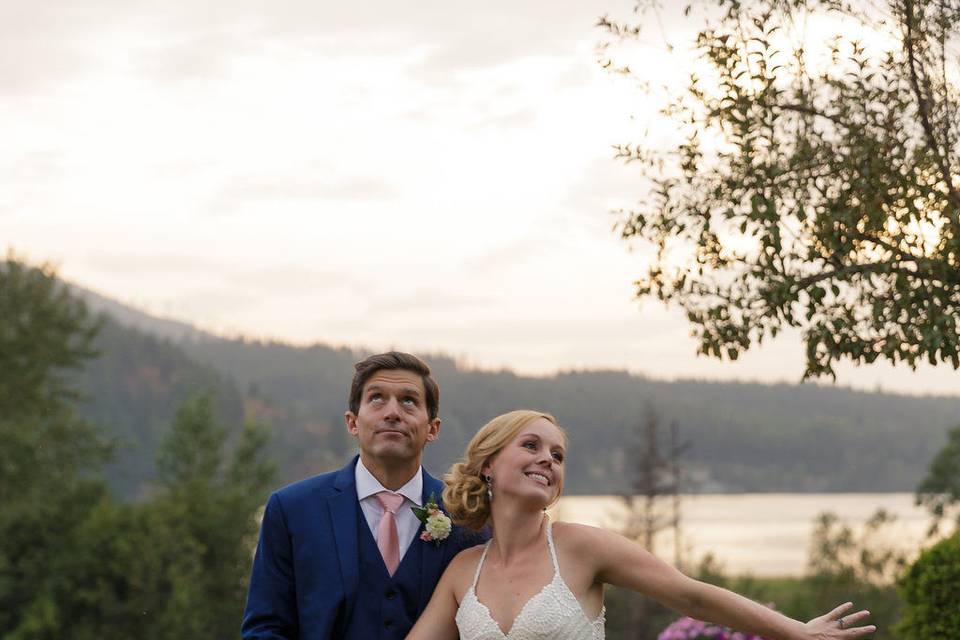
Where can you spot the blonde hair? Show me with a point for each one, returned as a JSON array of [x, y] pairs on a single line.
[[465, 492]]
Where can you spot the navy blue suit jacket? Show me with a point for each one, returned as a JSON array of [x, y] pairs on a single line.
[[306, 568]]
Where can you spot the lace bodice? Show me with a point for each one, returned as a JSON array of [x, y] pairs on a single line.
[[553, 613]]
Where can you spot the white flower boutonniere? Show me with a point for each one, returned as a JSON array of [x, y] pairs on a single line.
[[436, 524]]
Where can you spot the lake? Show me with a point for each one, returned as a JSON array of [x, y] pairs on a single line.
[[763, 534]]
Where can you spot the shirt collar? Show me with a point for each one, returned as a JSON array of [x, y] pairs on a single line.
[[367, 485]]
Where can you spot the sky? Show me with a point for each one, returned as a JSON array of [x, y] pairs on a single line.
[[430, 176]]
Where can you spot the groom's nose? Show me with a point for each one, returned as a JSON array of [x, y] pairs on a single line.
[[392, 409]]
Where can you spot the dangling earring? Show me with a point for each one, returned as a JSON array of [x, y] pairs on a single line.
[[488, 479]]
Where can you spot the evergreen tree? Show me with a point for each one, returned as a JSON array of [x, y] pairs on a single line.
[[204, 517], [940, 489], [48, 453], [73, 561]]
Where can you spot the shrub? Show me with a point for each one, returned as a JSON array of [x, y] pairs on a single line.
[[931, 593]]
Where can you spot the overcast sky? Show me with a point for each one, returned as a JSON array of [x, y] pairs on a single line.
[[432, 176]]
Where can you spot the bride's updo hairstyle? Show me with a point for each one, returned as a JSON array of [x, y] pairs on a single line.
[[465, 493]]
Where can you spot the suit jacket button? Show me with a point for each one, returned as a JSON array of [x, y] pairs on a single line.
[[388, 624], [391, 594]]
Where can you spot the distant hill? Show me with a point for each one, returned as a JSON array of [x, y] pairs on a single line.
[[132, 391], [136, 319], [744, 437]]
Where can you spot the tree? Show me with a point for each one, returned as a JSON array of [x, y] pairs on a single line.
[[816, 185], [204, 514], [49, 456], [940, 489], [73, 561], [655, 478], [174, 565], [45, 335], [862, 567]]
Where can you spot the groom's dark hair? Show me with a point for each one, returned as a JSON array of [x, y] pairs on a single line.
[[394, 360]]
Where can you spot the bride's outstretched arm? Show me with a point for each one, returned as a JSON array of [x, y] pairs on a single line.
[[620, 562]]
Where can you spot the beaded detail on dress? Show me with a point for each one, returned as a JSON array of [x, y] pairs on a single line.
[[553, 613]]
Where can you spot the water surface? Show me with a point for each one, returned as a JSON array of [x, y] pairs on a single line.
[[764, 534]]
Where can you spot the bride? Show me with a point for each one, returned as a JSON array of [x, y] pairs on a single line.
[[536, 580]]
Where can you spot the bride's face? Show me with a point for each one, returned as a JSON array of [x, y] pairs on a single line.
[[530, 467]]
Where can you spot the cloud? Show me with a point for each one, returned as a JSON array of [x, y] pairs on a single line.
[[244, 191], [200, 57], [294, 280], [591, 201], [45, 43], [434, 301], [518, 118], [499, 32], [29, 65], [138, 261]]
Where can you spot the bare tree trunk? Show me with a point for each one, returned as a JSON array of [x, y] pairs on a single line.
[[655, 478]]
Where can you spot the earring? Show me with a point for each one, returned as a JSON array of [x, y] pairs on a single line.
[[489, 479]]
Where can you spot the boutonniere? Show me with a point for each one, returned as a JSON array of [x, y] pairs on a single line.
[[436, 524]]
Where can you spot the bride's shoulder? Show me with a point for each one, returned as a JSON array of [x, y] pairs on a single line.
[[465, 562], [577, 537], [576, 531], [470, 554], [462, 568]]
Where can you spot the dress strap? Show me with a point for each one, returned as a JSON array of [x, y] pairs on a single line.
[[483, 556], [553, 550]]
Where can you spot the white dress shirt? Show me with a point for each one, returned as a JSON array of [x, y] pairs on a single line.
[[407, 523]]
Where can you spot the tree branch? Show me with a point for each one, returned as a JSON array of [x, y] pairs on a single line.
[[922, 106], [801, 108]]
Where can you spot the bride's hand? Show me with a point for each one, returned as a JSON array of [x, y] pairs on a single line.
[[835, 625]]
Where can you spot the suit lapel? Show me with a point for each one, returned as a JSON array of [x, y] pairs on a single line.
[[432, 552], [343, 508]]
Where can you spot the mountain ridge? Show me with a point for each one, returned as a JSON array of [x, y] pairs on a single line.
[[746, 436]]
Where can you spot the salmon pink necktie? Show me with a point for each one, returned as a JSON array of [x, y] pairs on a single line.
[[387, 539]]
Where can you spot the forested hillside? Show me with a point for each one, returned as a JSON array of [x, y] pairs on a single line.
[[132, 390], [744, 437]]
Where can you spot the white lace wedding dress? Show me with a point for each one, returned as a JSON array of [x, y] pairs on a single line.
[[553, 613]]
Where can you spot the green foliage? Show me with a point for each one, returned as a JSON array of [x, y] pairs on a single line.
[[792, 596], [860, 568], [204, 523], [44, 332], [746, 437], [199, 528], [807, 193], [940, 489], [632, 616], [108, 580], [931, 591], [48, 454], [173, 566], [73, 561], [843, 566], [133, 390]]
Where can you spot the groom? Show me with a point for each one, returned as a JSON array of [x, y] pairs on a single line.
[[340, 554]]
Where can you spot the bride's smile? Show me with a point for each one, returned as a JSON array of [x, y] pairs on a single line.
[[530, 466]]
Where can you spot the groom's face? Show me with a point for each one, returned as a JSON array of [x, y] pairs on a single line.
[[392, 422]]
